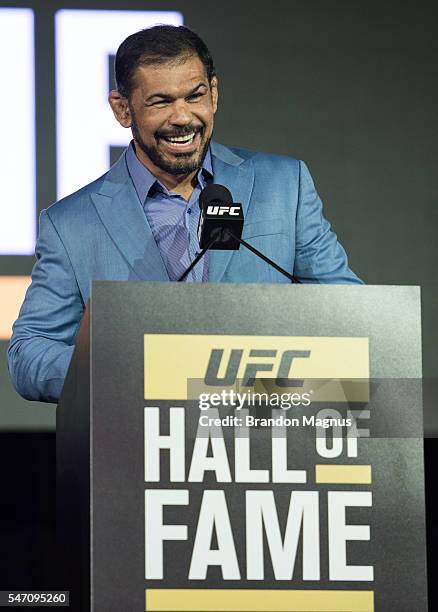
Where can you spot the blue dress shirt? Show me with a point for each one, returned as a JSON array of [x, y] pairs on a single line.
[[172, 219]]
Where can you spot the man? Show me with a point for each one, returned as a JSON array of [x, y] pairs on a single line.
[[138, 221]]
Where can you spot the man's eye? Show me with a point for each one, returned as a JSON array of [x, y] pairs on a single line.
[[160, 103], [195, 96]]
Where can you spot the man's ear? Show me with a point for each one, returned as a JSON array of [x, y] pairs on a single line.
[[120, 108], [214, 92]]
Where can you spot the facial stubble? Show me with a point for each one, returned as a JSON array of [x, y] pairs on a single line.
[[184, 164]]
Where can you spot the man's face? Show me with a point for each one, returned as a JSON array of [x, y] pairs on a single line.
[[171, 110]]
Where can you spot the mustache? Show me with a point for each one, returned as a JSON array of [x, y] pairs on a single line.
[[182, 131]]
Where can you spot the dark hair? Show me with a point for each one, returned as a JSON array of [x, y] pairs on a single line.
[[158, 45]]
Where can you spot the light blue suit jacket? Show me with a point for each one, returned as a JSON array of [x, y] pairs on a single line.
[[101, 233]]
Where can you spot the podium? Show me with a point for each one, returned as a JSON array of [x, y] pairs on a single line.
[[226, 448]]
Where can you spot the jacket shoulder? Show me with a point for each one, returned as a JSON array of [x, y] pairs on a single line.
[[64, 205], [71, 204], [261, 158], [270, 167]]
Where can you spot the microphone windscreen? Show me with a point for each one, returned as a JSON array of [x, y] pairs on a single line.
[[214, 193]]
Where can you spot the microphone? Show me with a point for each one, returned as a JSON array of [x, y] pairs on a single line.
[[219, 213], [220, 227]]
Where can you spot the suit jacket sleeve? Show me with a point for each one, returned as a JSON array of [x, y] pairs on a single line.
[[43, 336], [319, 257]]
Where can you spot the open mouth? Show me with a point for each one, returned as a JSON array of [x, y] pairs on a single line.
[[181, 140], [186, 143]]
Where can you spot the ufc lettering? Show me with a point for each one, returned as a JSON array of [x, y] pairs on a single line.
[[222, 210], [282, 364]]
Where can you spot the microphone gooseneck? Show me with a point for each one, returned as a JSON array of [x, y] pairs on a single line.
[[220, 227]]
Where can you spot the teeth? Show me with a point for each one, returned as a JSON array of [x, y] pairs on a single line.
[[182, 139]]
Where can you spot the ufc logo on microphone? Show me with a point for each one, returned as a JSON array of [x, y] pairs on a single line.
[[223, 210]]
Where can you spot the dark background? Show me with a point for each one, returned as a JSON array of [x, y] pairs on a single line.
[[351, 87]]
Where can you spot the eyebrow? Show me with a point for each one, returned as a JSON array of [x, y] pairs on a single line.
[[166, 96]]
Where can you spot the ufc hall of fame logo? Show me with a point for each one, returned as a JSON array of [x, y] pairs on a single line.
[[256, 512]]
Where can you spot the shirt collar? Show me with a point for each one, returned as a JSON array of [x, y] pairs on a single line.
[[144, 180]]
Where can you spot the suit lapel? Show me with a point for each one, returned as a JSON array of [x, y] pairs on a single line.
[[237, 175], [121, 213]]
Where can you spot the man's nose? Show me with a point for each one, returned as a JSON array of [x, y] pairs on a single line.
[[180, 114]]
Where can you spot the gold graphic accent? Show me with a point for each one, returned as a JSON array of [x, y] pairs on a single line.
[[12, 291], [252, 600], [343, 474], [336, 370]]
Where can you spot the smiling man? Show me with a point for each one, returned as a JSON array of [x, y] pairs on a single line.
[[139, 221], [170, 108], [167, 94]]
